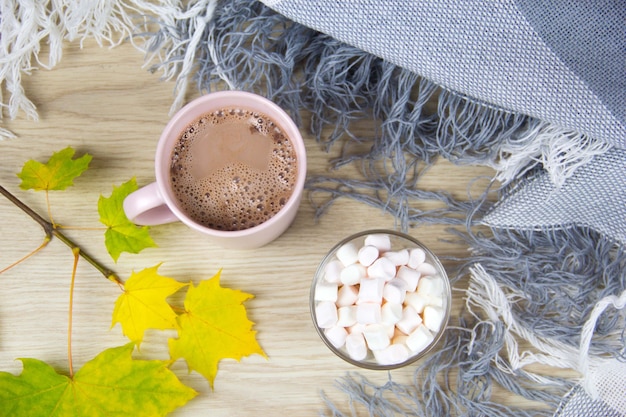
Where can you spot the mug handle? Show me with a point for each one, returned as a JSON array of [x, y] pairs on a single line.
[[146, 207]]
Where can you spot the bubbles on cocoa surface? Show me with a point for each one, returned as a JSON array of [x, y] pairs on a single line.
[[235, 197]]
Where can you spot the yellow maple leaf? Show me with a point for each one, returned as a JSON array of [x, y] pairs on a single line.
[[143, 304], [214, 326]]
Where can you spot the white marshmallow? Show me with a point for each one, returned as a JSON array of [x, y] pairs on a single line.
[[352, 274], [326, 314], [433, 318], [419, 339], [390, 313], [381, 241], [356, 347], [336, 335], [399, 338], [326, 291], [392, 355], [410, 276], [346, 316], [431, 286], [368, 313], [409, 321], [348, 254], [347, 295], [435, 301], [367, 255], [371, 290], [394, 291], [398, 258], [416, 300], [426, 269], [357, 328], [391, 330], [332, 271], [376, 336], [417, 256], [382, 268]]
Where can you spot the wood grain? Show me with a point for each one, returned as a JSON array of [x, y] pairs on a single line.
[[103, 102]]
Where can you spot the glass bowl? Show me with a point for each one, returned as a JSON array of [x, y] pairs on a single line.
[[380, 299]]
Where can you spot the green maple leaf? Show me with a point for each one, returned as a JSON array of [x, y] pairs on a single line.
[[113, 384], [122, 235], [56, 174], [143, 304], [214, 326]]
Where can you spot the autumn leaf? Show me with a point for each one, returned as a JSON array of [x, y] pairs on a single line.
[[57, 174], [122, 235], [214, 326], [143, 304], [113, 384]]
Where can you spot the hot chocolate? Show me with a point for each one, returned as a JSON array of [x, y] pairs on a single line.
[[233, 169]]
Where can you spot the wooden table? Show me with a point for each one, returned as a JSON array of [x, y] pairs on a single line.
[[103, 102]]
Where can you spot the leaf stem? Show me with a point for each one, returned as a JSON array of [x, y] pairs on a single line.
[[45, 242], [76, 252], [50, 230]]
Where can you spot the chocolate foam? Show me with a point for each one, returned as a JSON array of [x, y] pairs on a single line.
[[233, 169]]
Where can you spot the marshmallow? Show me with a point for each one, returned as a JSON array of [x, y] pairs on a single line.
[[352, 274], [392, 355], [419, 339], [368, 313], [416, 300], [382, 268], [356, 347], [381, 241], [326, 314], [376, 336], [336, 335], [357, 328], [434, 301], [430, 286], [371, 290], [367, 255], [348, 254], [347, 295], [346, 316], [417, 256], [394, 291], [332, 271], [410, 276], [398, 258], [390, 313], [399, 338], [433, 318], [391, 330], [409, 321], [426, 269], [326, 291]]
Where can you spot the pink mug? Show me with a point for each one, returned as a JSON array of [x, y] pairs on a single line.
[[157, 203]]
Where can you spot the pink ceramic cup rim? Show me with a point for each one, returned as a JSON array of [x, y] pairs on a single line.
[[207, 103]]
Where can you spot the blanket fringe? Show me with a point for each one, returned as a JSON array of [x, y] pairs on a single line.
[[26, 24]]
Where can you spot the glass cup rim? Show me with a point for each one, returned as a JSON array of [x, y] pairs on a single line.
[[320, 270]]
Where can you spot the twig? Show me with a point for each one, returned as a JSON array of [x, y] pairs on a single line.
[[50, 230]]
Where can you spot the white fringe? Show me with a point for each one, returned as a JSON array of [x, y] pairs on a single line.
[[26, 24], [559, 151], [596, 371], [176, 57], [484, 293], [601, 376]]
